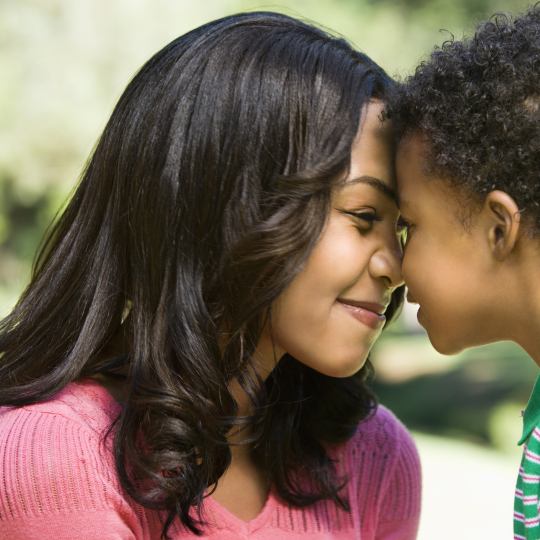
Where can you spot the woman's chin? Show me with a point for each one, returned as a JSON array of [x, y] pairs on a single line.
[[341, 367]]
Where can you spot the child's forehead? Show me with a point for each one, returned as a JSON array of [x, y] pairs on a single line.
[[415, 186], [411, 160], [414, 158], [414, 145]]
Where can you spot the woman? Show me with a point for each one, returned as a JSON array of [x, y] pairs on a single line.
[[206, 303]]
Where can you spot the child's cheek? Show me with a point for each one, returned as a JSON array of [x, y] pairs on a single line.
[[428, 272]]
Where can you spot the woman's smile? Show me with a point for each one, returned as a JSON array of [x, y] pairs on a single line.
[[369, 313], [334, 309]]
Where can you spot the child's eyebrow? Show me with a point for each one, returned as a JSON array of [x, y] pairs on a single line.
[[377, 183]]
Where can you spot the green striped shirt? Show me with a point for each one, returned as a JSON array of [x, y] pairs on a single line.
[[526, 511]]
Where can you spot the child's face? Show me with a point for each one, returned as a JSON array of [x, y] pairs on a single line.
[[447, 265]]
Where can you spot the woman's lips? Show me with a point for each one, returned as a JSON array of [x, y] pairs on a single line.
[[369, 314]]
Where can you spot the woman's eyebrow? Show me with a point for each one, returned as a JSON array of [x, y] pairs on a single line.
[[377, 183]]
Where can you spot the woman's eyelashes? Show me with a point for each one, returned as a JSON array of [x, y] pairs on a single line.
[[367, 218], [370, 217], [402, 225]]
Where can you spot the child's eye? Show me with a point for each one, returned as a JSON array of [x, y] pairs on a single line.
[[404, 228], [402, 225]]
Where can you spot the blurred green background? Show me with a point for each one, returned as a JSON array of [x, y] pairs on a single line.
[[63, 65]]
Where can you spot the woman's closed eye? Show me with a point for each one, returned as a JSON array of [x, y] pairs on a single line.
[[367, 217]]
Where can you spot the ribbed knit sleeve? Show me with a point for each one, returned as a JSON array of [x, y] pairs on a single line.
[[385, 486], [57, 482], [400, 508]]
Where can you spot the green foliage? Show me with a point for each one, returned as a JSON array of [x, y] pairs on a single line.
[[477, 396]]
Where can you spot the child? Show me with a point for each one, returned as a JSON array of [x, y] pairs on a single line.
[[468, 165]]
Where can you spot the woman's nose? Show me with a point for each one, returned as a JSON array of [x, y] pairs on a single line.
[[385, 264]]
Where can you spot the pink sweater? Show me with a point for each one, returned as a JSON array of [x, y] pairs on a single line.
[[57, 482]]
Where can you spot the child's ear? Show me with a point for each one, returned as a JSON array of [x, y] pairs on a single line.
[[503, 221]]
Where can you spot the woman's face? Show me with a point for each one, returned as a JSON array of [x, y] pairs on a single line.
[[333, 311]]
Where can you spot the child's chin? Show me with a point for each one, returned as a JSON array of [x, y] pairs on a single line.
[[445, 346]]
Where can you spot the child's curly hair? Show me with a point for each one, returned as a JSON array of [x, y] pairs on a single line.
[[477, 103]]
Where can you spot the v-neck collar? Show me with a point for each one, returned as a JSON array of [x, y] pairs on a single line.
[[235, 523], [227, 518]]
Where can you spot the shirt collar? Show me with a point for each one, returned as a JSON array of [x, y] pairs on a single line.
[[531, 415]]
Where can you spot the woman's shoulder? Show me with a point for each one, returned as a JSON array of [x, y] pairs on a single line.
[[58, 435], [84, 404], [383, 465], [53, 462], [382, 429], [382, 437]]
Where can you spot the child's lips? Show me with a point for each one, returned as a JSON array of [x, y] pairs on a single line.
[[419, 314], [421, 318]]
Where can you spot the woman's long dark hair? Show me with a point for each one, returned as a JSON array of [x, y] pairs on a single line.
[[206, 193]]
